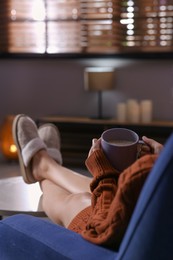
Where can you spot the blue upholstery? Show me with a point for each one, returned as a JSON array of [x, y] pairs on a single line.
[[25, 237], [149, 235], [150, 232]]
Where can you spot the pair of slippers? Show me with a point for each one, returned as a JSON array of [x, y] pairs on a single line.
[[29, 140]]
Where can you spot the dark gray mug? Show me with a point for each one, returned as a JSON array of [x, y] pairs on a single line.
[[120, 146]]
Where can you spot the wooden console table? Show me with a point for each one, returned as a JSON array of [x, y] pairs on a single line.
[[77, 134]]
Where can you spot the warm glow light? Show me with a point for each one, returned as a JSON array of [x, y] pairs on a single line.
[[130, 26], [126, 21], [130, 9], [13, 148], [38, 10], [66, 26], [130, 3], [130, 15], [13, 14], [130, 32]]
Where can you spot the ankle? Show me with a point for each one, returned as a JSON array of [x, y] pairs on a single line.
[[39, 165]]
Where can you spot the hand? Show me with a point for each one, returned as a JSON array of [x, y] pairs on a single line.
[[96, 145], [153, 146]]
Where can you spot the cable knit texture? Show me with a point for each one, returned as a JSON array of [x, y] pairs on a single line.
[[114, 197]]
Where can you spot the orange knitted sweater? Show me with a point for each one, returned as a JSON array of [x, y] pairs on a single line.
[[114, 196]]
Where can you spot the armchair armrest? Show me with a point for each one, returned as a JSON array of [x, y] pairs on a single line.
[[28, 237]]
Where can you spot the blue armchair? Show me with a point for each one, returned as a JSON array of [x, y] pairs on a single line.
[[149, 235]]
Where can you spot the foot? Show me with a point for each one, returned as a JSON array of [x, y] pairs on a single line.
[[51, 137], [28, 143]]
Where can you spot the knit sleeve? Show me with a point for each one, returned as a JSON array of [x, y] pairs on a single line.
[[99, 166], [113, 202]]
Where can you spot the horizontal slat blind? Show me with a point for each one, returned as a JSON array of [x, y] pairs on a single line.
[[22, 27], [85, 26], [148, 25], [63, 26], [56, 26], [65, 10], [64, 37]]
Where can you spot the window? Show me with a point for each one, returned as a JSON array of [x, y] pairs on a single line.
[[85, 26], [56, 26], [148, 25]]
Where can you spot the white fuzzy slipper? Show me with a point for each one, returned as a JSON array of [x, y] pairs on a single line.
[[51, 137], [28, 143]]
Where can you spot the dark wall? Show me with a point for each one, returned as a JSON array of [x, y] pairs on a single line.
[[44, 87]]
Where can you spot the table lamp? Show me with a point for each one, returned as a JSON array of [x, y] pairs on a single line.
[[99, 79]]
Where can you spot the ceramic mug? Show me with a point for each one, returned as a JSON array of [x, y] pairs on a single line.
[[120, 146]]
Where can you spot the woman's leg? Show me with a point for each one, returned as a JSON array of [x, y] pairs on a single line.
[[65, 193], [40, 156], [44, 167], [60, 205]]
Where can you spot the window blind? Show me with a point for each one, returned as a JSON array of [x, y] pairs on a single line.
[[85, 26], [147, 25], [22, 26], [56, 26]]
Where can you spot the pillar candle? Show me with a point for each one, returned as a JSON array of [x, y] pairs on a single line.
[[121, 112], [133, 111], [146, 109]]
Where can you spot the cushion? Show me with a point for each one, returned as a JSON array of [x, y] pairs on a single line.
[[28, 237]]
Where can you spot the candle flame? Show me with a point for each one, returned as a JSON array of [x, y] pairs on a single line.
[[13, 148]]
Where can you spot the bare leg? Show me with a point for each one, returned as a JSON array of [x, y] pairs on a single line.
[[65, 193], [44, 167], [60, 205]]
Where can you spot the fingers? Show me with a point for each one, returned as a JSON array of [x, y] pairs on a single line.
[[148, 141], [96, 145], [94, 140], [156, 147], [145, 149]]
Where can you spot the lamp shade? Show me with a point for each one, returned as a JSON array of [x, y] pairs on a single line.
[[99, 79]]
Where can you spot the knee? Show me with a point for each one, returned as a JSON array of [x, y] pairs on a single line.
[[77, 202], [85, 197], [73, 204], [80, 198]]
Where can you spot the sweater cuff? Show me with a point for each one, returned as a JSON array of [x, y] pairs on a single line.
[[98, 164]]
